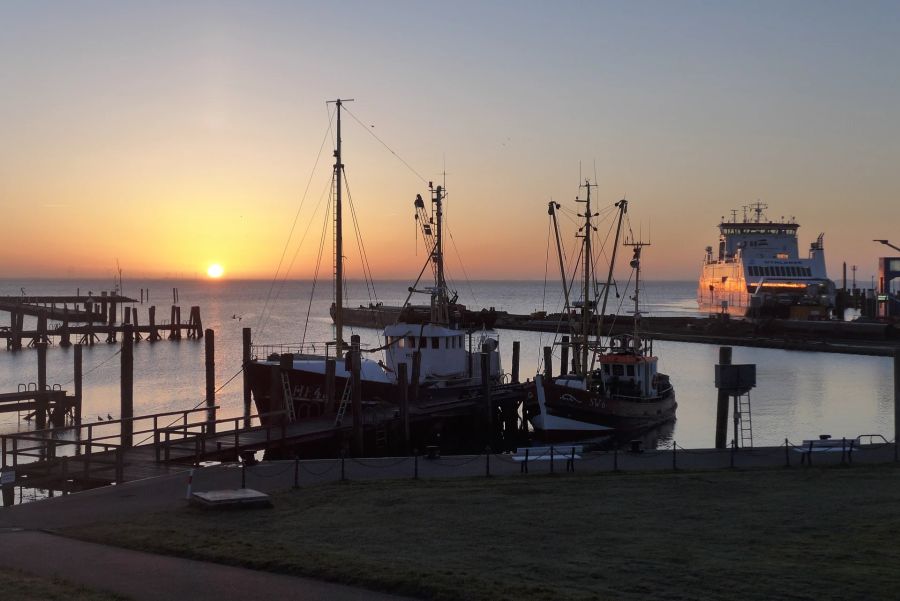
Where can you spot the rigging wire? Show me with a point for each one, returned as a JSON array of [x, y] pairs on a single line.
[[265, 308], [383, 143], [312, 293]]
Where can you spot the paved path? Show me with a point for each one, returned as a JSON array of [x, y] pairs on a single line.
[[148, 577]]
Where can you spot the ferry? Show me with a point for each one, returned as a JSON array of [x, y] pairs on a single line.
[[758, 271]]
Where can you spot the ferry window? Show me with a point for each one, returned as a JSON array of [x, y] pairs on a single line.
[[618, 370], [629, 369], [411, 342], [423, 342], [435, 342]]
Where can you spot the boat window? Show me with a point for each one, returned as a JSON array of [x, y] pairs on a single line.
[[629, 369], [411, 342], [618, 370], [423, 342], [435, 342]]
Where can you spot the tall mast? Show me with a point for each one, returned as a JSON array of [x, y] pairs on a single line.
[[551, 209], [338, 240], [636, 265], [440, 310], [623, 208], [587, 283]]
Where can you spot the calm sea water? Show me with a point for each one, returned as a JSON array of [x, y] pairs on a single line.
[[798, 395]]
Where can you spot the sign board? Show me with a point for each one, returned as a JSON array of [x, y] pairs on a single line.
[[7, 477], [737, 379]]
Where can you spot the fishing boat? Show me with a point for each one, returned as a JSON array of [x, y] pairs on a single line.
[[758, 272], [613, 382], [443, 362]]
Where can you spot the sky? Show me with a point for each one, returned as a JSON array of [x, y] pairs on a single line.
[[168, 136]]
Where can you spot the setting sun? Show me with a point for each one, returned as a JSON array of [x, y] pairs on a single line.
[[215, 271]]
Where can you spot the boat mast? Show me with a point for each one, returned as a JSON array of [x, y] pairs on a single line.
[[623, 208], [440, 309], [551, 209], [636, 265], [338, 240], [586, 311]]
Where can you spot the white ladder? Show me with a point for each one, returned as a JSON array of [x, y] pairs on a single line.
[[345, 400], [288, 396], [746, 421]]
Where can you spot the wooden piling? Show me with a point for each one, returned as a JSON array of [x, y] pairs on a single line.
[[416, 376], [154, 332], [245, 362], [77, 378], [285, 364], [356, 395], [896, 398], [564, 356], [111, 336], [403, 392], [43, 400], [486, 390], [126, 411], [65, 338], [210, 382], [515, 362], [722, 404], [330, 367], [548, 363]]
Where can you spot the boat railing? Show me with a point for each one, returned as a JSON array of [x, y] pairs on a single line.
[[298, 349], [660, 393]]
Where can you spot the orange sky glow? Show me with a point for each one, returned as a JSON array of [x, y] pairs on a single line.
[[169, 139]]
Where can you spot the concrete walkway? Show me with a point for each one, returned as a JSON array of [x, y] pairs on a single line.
[[148, 577]]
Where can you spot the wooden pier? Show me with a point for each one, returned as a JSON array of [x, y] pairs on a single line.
[[89, 320]]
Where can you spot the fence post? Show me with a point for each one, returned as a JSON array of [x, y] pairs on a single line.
[[243, 474], [570, 467], [787, 454], [523, 468], [551, 459], [809, 454], [190, 486]]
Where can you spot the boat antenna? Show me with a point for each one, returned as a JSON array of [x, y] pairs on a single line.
[[338, 238]]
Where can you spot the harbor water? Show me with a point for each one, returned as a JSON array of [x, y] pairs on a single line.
[[799, 395]]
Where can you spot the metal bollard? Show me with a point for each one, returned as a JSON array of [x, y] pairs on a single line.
[[551, 459], [523, 468]]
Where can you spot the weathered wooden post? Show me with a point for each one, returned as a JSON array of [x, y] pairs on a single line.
[[515, 362], [896, 400], [154, 332], [486, 389], [548, 363], [415, 376], [127, 386], [111, 324], [564, 356], [43, 399], [722, 405], [245, 361], [330, 367], [284, 384], [65, 338], [78, 380], [356, 395], [210, 382], [403, 390]]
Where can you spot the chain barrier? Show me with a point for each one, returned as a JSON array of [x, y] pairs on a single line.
[[395, 463], [332, 465]]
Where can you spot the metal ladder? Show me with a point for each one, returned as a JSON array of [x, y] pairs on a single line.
[[345, 400], [746, 420], [288, 396]]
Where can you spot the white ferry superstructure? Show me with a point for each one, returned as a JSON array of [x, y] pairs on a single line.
[[758, 271]]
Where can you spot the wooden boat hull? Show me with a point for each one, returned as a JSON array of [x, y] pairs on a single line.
[[622, 413]]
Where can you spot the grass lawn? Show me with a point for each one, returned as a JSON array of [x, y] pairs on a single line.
[[19, 586], [816, 533]]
